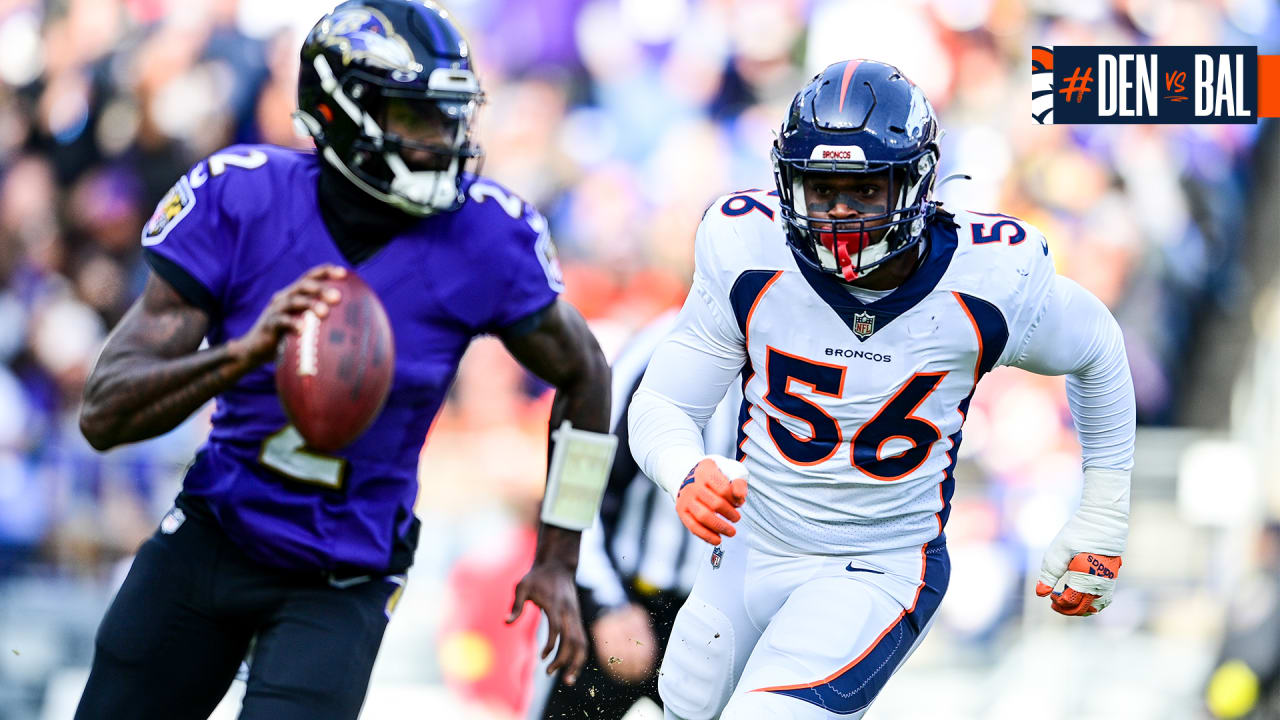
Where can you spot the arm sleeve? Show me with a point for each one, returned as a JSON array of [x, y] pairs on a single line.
[[1075, 335], [687, 377]]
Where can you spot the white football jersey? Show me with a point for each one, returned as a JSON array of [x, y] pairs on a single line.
[[851, 418]]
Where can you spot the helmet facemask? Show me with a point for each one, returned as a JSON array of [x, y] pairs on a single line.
[[412, 140], [884, 224]]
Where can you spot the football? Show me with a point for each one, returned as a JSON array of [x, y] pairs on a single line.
[[333, 376]]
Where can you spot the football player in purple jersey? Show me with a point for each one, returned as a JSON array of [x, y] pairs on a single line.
[[298, 553]]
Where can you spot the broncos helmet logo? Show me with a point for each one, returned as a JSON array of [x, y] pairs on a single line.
[[363, 33], [1042, 84]]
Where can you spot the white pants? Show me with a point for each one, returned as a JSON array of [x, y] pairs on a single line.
[[768, 637]]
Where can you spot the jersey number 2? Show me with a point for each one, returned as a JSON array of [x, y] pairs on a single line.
[[895, 419], [285, 452]]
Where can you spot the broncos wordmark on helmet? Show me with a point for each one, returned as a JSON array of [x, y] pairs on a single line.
[[368, 55], [858, 118]]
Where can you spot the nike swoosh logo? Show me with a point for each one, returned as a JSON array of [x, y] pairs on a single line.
[[851, 568]]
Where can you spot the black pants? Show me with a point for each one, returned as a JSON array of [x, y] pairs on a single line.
[[173, 638], [597, 695]]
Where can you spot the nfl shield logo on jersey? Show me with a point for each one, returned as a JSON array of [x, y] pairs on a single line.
[[864, 324], [716, 555]]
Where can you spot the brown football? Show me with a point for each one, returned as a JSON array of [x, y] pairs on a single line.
[[334, 375]]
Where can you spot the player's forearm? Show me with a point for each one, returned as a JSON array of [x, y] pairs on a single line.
[[584, 398], [130, 397], [1100, 397], [665, 440], [1078, 337], [686, 379]]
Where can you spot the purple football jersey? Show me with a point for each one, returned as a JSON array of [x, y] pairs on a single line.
[[245, 223]]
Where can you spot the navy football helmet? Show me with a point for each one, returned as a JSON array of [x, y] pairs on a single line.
[[858, 118], [370, 58]]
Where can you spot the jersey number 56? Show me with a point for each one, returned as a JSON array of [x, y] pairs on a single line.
[[896, 419]]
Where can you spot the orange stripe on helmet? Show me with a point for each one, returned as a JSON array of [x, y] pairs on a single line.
[[849, 67]]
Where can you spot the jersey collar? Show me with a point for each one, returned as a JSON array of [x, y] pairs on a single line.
[[941, 246]]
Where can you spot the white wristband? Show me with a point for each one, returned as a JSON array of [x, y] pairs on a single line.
[[577, 477]]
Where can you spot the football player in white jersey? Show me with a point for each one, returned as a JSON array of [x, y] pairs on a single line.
[[859, 316]]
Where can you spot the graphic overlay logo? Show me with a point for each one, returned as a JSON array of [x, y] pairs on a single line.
[[1042, 84], [1078, 84], [1117, 84]]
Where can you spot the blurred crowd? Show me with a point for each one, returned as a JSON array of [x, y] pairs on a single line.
[[622, 120]]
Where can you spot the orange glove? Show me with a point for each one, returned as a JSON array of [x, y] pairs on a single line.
[[1091, 579], [710, 495]]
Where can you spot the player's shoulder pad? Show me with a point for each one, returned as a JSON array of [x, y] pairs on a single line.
[[741, 231], [1001, 257], [511, 225], [237, 181], [500, 208], [998, 240]]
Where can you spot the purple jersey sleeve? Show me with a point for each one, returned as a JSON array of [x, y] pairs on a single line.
[[532, 271], [189, 239]]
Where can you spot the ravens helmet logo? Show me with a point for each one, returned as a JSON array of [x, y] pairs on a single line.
[[366, 34]]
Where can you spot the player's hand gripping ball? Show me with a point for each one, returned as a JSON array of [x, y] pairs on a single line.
[[334, 370], [710, 496]]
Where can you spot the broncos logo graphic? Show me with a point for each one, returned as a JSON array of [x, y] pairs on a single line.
[[1042, 84], [364, 33]]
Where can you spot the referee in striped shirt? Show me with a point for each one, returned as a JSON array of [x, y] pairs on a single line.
[[637, 563]]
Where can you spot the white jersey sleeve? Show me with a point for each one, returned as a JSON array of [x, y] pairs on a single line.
[[690, 371], [1056, 327], [1029, 285], [1075, 335]]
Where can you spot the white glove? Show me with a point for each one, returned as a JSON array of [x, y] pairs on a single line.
[[1085, 556]]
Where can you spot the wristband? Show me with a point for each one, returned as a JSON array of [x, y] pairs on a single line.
[[577, 477]]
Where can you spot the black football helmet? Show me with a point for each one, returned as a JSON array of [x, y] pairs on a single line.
[[857, 117], [369, 58]]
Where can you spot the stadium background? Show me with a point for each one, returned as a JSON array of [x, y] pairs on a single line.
[[622, 120]]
